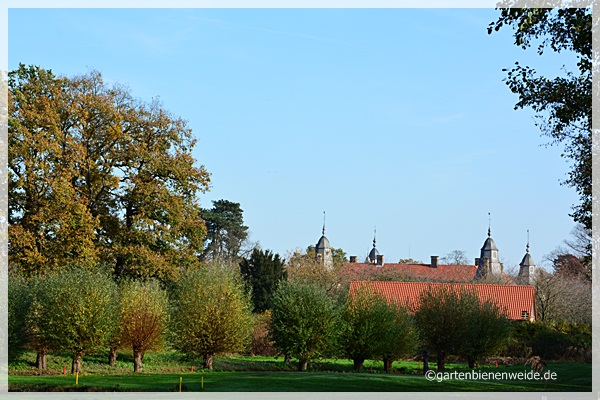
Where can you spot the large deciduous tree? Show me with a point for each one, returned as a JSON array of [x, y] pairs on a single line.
[[49, 224], [212, 313], [564, 103], [262, 272], [96, 175]]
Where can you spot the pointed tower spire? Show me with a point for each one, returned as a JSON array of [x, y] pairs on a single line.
[[323, 249], [489, 262], [375, 237], [527, 267], [374, 254]]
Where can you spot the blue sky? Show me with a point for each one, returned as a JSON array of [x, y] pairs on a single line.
[[389, 118]]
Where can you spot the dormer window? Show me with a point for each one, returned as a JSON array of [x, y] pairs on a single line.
[[524, 315]]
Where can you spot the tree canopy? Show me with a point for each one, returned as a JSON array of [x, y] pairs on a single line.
[[226, 231], [563, 104], [262, 272], [304, 322], [211, 313], [96, 175]]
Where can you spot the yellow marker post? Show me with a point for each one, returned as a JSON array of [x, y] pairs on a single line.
[[77, 378], [202, 382], [180, 384]]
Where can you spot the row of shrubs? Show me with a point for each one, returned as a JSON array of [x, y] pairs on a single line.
[[550, 341], [208, 312]]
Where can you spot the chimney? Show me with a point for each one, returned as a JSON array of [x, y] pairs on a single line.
[[380, 260], [477, 261], [352, 259], [434, 261]]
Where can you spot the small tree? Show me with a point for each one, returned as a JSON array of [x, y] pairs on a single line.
[[304, 322], [143, 318], [364, 316], [19, 302], [397, 335], [441, 318], [262, 272], [211, 314], [38, 340], [488, 331], [455, 257], [75, 311]]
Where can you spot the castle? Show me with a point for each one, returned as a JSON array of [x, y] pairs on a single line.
[[486, 267]]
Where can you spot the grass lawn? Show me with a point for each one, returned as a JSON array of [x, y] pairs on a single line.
[[256, 374]]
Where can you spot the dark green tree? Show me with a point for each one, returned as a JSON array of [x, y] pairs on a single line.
[[375, 329], [363, 316], [19, 302], [398, 336], [442, 320], [262, 272], [488, 330], [225, 231], [305, 322], [564, 103]]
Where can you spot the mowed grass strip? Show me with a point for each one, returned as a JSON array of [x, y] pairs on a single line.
[[571, 377]]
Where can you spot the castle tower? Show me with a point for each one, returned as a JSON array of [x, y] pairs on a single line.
[[489, 263], [374, 257], [323, 249], [527, 270]]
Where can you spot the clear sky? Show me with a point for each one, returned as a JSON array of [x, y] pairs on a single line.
[[389, 118]]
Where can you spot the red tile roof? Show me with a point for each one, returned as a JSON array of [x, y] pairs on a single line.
[[512, 298], [420, 272]]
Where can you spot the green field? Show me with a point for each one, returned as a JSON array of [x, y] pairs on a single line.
[[252, 374]]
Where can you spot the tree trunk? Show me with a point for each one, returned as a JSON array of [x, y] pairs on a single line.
[[112, 356], [302, 365], [76, 365], [472, 362], [41, 359], [208, 361], [138, 357], [440, 360], [358, 363], [288, 359], [387, 364], [425, 362]]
